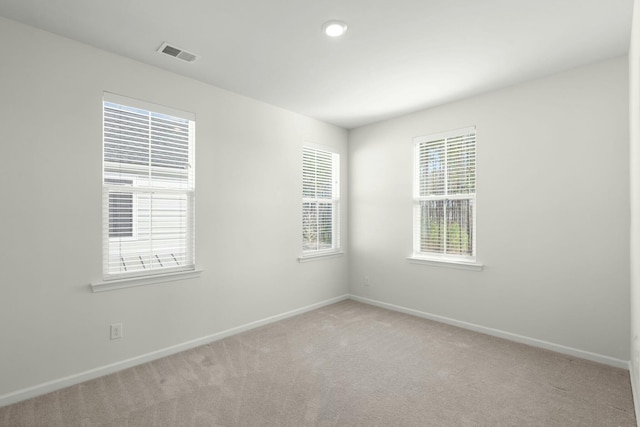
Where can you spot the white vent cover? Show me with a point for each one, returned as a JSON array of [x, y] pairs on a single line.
[[176, 52]]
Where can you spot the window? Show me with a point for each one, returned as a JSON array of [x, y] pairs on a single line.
[[445, 195], [148, 188], [120, 210], [320, 201]]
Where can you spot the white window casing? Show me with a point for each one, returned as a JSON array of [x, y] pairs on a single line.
[[444, 198], [320, 203], [148, 189]]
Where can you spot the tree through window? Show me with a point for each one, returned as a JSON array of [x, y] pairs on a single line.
[[445, 194], [320, 200]]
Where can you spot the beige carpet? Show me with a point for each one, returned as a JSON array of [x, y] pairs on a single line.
[[348, 364]]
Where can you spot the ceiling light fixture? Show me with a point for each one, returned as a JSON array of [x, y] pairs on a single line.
[[334, 28]]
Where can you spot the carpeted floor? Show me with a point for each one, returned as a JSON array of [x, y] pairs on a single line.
[[348, 364]]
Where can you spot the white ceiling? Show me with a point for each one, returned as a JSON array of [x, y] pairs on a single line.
[[397, 56]]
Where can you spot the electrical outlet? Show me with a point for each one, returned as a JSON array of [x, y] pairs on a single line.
[[367, 282], [116, 331]]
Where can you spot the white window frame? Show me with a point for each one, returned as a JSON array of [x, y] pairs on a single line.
[[441, 259], [334, 200], [153, 272]]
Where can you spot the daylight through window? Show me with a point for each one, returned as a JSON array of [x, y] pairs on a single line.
[[148, 188], [445, 195], [120, 210], [320, 201]]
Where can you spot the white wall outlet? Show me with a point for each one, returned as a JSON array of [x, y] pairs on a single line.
[[367, 282], [116, 331]]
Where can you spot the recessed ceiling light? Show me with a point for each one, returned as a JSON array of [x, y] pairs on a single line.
[[334, 28]]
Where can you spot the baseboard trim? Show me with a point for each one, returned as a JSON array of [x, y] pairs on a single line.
[[594, 357], [48, 387]]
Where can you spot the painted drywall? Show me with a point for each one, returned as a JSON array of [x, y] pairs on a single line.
[[248, 213], [552, 212], [634, 159]]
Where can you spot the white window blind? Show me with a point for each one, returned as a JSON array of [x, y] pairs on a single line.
[[445, 195], [320, 200], [148, 188]]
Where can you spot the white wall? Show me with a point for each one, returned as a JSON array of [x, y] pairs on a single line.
[[552, 230], [552, 219], [248, 214], [634, 156]]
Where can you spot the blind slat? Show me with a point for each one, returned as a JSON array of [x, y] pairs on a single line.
[[445, 193], [320, 196], [148, 190]]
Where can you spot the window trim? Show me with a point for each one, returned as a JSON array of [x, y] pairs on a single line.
[[335, 250], [319, 256], [445, 262], [436, 259], [117, 280], [149, 279]]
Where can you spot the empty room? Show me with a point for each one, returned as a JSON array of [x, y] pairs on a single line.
[[320, 213]]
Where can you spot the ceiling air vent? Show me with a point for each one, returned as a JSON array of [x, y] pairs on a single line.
[[176, 52]]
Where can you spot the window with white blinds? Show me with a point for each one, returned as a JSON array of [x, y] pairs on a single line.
[[148, 188], [445, 195], [320, 201]]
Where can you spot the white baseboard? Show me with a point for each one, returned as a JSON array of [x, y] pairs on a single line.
[[48, 387], [594, 357], [58, 384]]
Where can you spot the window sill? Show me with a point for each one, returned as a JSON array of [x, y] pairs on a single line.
[[448, 263], [130, 282], [319, 256]]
